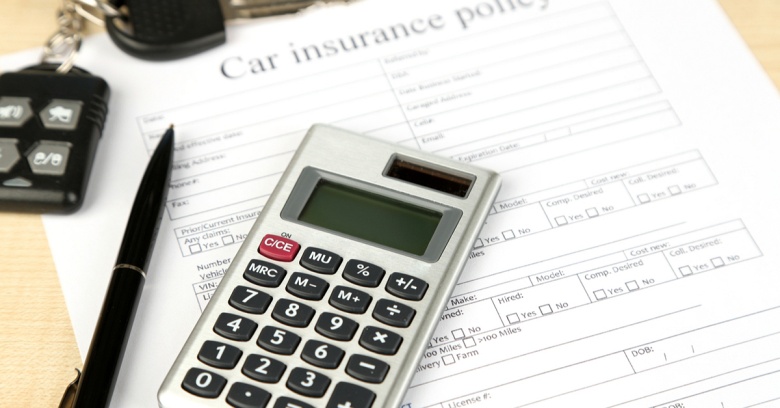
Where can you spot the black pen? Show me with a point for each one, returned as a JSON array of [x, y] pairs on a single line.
[[93, 388]]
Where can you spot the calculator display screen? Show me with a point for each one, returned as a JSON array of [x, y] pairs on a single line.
[[371, 217]]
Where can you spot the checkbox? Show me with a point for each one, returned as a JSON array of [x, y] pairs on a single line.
[[195, 248], [632, 285], [513, 318], [545, 309], [643, 198], [674, 190], [479, 243], [600, 294], [458, 334], [508, 234], [561, 220], [448, 359], [686, 270], [717, 262], [469, 342], [227, 240], [592, 212]]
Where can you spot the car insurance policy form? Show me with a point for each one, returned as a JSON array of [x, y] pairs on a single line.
[[631, 260]]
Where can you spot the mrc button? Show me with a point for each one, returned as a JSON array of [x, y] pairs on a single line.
[[278, 248]]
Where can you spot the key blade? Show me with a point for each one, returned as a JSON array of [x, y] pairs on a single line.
[[236, 9]]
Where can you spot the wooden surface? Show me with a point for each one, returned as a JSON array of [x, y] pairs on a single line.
[[38, 351]]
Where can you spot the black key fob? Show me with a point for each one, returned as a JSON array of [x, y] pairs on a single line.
[[50, 124]]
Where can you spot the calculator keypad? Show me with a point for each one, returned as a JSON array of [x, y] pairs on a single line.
[[309, 377]]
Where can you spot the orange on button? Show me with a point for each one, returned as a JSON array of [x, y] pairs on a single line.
[[278, 248]]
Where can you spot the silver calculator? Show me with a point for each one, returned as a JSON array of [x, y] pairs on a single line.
[[334, 294]]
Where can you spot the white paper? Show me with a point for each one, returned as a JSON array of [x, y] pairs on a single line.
[[630, 258]]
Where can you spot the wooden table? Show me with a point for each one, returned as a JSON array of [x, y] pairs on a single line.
[[37, 347]]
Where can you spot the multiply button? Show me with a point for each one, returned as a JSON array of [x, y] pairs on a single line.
[[278, 248], [380, 340], [406, 287], [320, 260]]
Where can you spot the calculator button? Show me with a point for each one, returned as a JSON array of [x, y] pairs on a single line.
[[336, 327], [9, 154], [367, 368], [349, 300], [393, 313], [293, 313], [406, 287], [278, 340], [350, 395], [14, 111], [61, 114], [247, 396], [307, 286], [363, 273], [49, 158], [278, 248], [322, 354], [234, 327], [320, 260], [203, 383], [286, 402], [263, 369], [380, 340], [264, 273], [249, 300], [307, 382], [219, 355]]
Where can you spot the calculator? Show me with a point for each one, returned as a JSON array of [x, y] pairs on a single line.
[[333, 296]]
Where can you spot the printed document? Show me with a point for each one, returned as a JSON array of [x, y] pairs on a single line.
[[632, 256]]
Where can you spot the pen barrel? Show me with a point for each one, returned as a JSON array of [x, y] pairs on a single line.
[[108, 342]]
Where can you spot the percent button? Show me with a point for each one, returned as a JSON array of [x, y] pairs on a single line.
[[363, 273]]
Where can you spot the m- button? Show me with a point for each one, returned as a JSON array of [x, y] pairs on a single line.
[[278, 248]]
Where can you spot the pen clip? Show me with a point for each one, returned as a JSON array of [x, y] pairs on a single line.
[[69, 396]]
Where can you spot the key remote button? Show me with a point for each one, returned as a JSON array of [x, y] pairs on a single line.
[[307, 382], [14, 111], [234, 327], [278, 248], [292, 313], [367, 368], [264, 273], [380, 340], [263, 369], [249, 300], [287, 402], [9, 153], [393, 313], [349, 300], [61, 114], [320, 260], [321, 354], [49, 158], [307, 286], [278, 340], [336, 327], [20, 182], [363, 273], [247, 396], [406, 287], [203, 383], [219, 355], [350, 395]]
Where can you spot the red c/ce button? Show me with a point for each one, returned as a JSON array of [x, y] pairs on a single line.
[[278, 248]]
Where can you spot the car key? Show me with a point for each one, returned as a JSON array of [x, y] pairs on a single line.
[[171, 29], [50, 124]]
